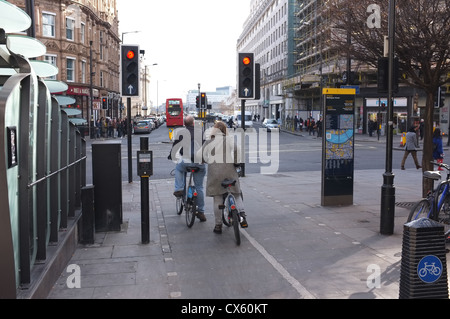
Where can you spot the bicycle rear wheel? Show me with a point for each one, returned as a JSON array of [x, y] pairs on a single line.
[[191, 209], [179, 205], [422, 209], [226, 218], [236, 220]]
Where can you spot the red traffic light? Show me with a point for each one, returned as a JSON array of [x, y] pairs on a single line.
[[246, 60], [130, 55]]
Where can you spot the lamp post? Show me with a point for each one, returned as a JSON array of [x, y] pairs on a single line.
[[388, 189], [123, 33]]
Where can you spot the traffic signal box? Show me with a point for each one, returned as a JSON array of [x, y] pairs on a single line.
[[105, 104], [248, 77], [130, 70]]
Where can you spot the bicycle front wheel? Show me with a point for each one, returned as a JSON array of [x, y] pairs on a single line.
[[422, 209], [191, 209], [236, 220]]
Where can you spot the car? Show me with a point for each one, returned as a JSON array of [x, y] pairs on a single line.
[[271, 124], [143, 126]]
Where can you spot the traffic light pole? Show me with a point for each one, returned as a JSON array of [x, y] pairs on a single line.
[[130, 163], [243, 137]]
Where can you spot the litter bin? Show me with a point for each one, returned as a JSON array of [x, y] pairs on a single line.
[[107, 179], [423, 272]]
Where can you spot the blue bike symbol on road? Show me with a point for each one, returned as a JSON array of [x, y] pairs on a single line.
[[429, 269]]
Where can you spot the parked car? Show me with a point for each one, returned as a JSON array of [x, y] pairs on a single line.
[[271, 124], [143, 126]]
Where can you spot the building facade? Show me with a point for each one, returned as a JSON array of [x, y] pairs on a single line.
[[268, 33], [291, 41], [74, 31]]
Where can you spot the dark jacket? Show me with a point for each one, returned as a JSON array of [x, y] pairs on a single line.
[[188, 147]]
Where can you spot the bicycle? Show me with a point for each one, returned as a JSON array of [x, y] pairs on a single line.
[[189, 199], [436, 205], [230, 213]]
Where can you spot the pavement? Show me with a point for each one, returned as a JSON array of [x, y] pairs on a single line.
[[294, 248]]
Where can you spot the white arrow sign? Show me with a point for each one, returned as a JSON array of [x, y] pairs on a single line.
[[131, 89], [246, 92]]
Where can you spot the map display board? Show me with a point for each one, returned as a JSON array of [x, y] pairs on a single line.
[[338, 147]]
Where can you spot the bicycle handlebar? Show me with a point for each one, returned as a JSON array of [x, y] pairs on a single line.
[[447, 167]]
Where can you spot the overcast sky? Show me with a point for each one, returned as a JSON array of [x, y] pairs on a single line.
[[191, 41]]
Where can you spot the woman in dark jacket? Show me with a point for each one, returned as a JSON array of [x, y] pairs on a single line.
[[438, 150]]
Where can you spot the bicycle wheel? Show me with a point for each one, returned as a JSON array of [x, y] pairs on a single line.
[[179, 205], [236, 219], [226, 218], [422, 209], [443, 215], [191, 209]]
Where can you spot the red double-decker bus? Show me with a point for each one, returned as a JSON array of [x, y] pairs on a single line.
[[174, 112]]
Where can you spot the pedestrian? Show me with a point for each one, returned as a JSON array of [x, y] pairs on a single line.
[[438, 150], [412, 144], [222, 156]]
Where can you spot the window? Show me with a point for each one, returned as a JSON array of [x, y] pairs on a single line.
[[83, 71], [101, 79], [48, 25], [52, 60], [70, 70], [83, 33], [101, 45], [70, 27]]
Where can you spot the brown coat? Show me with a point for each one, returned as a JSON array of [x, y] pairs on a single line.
[[221, 153]]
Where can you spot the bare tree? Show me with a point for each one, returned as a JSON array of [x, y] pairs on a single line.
[[422, 45]]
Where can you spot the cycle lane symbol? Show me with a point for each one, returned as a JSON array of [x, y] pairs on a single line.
[[429, 269]]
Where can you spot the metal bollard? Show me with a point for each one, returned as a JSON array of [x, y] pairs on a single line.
[[423, 272], [87, 227]]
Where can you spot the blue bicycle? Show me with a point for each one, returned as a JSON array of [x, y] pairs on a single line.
[[436, 205], [189, 199]]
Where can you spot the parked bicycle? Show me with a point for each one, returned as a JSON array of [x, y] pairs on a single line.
[[230, 213], [188, 200], [436, 205]]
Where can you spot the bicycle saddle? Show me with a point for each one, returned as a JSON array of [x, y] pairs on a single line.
[[228, 182], [192, 169], [434, 175]]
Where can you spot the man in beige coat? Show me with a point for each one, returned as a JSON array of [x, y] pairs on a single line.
[[222, 155]]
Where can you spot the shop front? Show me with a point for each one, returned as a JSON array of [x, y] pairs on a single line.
[[376, 115]]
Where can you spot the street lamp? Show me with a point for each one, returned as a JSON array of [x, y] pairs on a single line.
[[123, 33], [388, 189]]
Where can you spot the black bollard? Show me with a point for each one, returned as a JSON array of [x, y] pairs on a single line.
[[145, 201], [87, 229]]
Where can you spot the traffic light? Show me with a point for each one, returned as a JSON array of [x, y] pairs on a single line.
[[439, 97], [130, 70], [197, 101], [246, 76], [203, 101], [383, 75], [104, 103]]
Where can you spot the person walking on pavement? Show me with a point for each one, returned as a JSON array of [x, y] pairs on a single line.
[[188, 141], [412, 144], [222, 156], [438, 150]]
